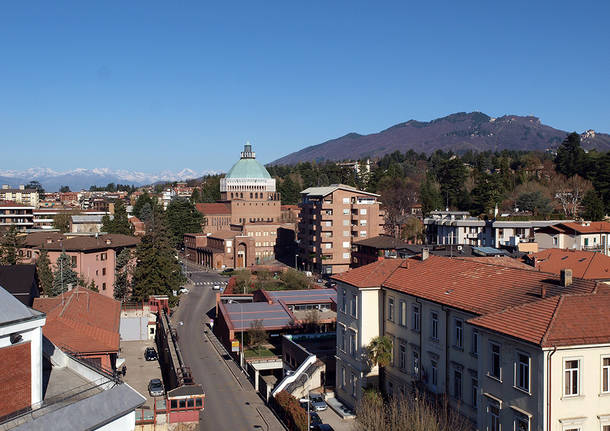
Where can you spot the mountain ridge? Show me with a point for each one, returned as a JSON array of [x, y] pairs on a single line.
[[82, 178], [457, 132]]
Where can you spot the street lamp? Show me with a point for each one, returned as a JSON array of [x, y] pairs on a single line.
[[308, 417], [241, 357], [296, 256]]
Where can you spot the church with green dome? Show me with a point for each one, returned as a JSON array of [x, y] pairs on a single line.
[[248, 180]]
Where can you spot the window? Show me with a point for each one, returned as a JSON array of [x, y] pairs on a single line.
[[354, 382], [363, 211], [475, 342], [73, 260], [415, 362], [346, 244], [103, 256], [346, 256], [346, 233], [402, 316], [402, 356], [103, 286], [344, 301], [198, 402], [391, 309], [457, 384], [571, 369], [345, 211], [342, 338], [346, 222], [434, 326], [434, 373], [343, 377], [522, 422], [346, 200], [606, 376], [103, 271], [354, 305], [493, 413], [522, 377], [459, 331], [415, 322], [494, 366], [352, 343], [475, 393]]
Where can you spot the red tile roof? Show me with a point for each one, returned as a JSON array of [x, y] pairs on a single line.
[[584, 264], [81, 320], [564, 320], [58, 241], [371, 275], [476, 287], [216, 208], [589, 227], [499, 260]]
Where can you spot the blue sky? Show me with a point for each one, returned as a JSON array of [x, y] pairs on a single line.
[[152, 85]]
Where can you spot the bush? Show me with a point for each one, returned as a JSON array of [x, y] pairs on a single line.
[[291, 412]]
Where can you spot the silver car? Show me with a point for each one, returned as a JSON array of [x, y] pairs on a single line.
[[155, 388], [317, 402]]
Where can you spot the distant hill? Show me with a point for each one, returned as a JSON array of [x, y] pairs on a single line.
[[456, 132]]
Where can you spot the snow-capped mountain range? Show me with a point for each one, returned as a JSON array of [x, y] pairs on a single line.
[[81, 178]]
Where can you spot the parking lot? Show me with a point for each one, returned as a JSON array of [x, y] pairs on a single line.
[[139, 370]]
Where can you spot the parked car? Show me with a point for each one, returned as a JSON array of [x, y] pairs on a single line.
[[314, 420], [216, 287], [317, 402], [155, 388], [323, 427], [150, 354]]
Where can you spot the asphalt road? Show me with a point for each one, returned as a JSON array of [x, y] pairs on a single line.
[[229, 405]]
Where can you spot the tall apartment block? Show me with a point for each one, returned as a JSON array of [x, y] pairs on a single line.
[[331, 219]]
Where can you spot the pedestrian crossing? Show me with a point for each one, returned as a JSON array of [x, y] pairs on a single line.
[[210, 283]]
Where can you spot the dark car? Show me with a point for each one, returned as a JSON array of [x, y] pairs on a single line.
[[314, 420], [155, 388], [323, 427], [150, 354]]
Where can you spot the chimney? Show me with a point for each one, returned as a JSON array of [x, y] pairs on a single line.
[[543, 291], [425, 253], [566, 277]]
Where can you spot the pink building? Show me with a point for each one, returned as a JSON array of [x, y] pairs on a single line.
[[93, 257]]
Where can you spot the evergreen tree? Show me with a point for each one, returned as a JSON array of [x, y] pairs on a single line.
[[143, 199], [430, 196], [210, 191], [570, 158], [183, 217], [121, 284], [593, 206], [487, 193], [45, 275], [64, 275], [195, 196], [119, 223], [10, 245], [157, 271], [289, 191]]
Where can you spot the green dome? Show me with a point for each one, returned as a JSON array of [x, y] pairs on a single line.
[[248, 168]]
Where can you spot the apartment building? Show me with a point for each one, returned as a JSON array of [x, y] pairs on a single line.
[[16, 215], [585, 235], [20, 195], [458, 227], [434, 310], [93, 257], [330, 220]]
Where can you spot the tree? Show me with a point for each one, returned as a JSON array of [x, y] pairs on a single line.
[[143, 199], [289, 191], [45, 275], [36, 186], [122, 269], [570, 192], [157, 270], [535, 202], [62, 221], [311, 323], [379, 353], [64, 189], [451, 175], [119, 223], [257, 336], [195, 196], [183, 217], [10, 245], [487, 192], [397, 196], [295, 280], [210, 191], [593, 206], [570, 156], [430, 195], [63, 277]]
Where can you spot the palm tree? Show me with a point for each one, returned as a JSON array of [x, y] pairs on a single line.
[[379, 353]]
